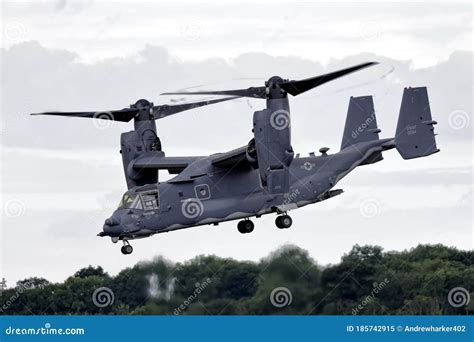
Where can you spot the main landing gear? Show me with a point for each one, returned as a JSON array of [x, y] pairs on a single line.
[[283, 221], [245, 226], [126, 248]]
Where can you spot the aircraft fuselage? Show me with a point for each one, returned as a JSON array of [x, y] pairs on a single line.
[[204, 194]]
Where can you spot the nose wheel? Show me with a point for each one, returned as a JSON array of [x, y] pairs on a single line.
[[283, 221], [245, 226], [126, 248]]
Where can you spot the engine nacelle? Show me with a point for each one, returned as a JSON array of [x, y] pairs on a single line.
[[133, 144], [271, 128]]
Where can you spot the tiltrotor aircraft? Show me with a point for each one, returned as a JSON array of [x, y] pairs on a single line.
[[262, 177]]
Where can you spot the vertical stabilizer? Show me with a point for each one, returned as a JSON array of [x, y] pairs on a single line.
[[361, 123], [415, 132]]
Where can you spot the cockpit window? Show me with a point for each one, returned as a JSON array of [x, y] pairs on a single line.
[[150, 200], [147, 200], [130, 201]]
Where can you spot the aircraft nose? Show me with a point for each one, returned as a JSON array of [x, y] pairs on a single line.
[[112, 221], [112, 226], [114, 230]]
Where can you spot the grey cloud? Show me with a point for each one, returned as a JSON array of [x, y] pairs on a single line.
[[60, 4], [39, 79]]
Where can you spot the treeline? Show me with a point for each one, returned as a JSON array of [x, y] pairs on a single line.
[[429, 279]]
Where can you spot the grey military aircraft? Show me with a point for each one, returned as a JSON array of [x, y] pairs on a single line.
[[262, 177]]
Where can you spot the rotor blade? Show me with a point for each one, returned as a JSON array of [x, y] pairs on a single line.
[[123, 115], [128, 114], [298, 87], [166, 110], [255, 92], [292, 87]]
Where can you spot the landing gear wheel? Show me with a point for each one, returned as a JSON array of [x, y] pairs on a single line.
[[126, 249], [245, 226], [240, 227], [283, 221], [248, 226]]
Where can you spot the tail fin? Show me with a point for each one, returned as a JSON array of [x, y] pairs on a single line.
[[361, 124], [415, 132]]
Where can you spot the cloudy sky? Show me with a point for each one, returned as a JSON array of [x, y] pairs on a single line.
[[62, 177]]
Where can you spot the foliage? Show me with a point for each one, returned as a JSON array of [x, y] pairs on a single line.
[[367, 280]]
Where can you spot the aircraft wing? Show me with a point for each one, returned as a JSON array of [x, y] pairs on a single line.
[[231, 159], [157, 161], [175, 165]]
